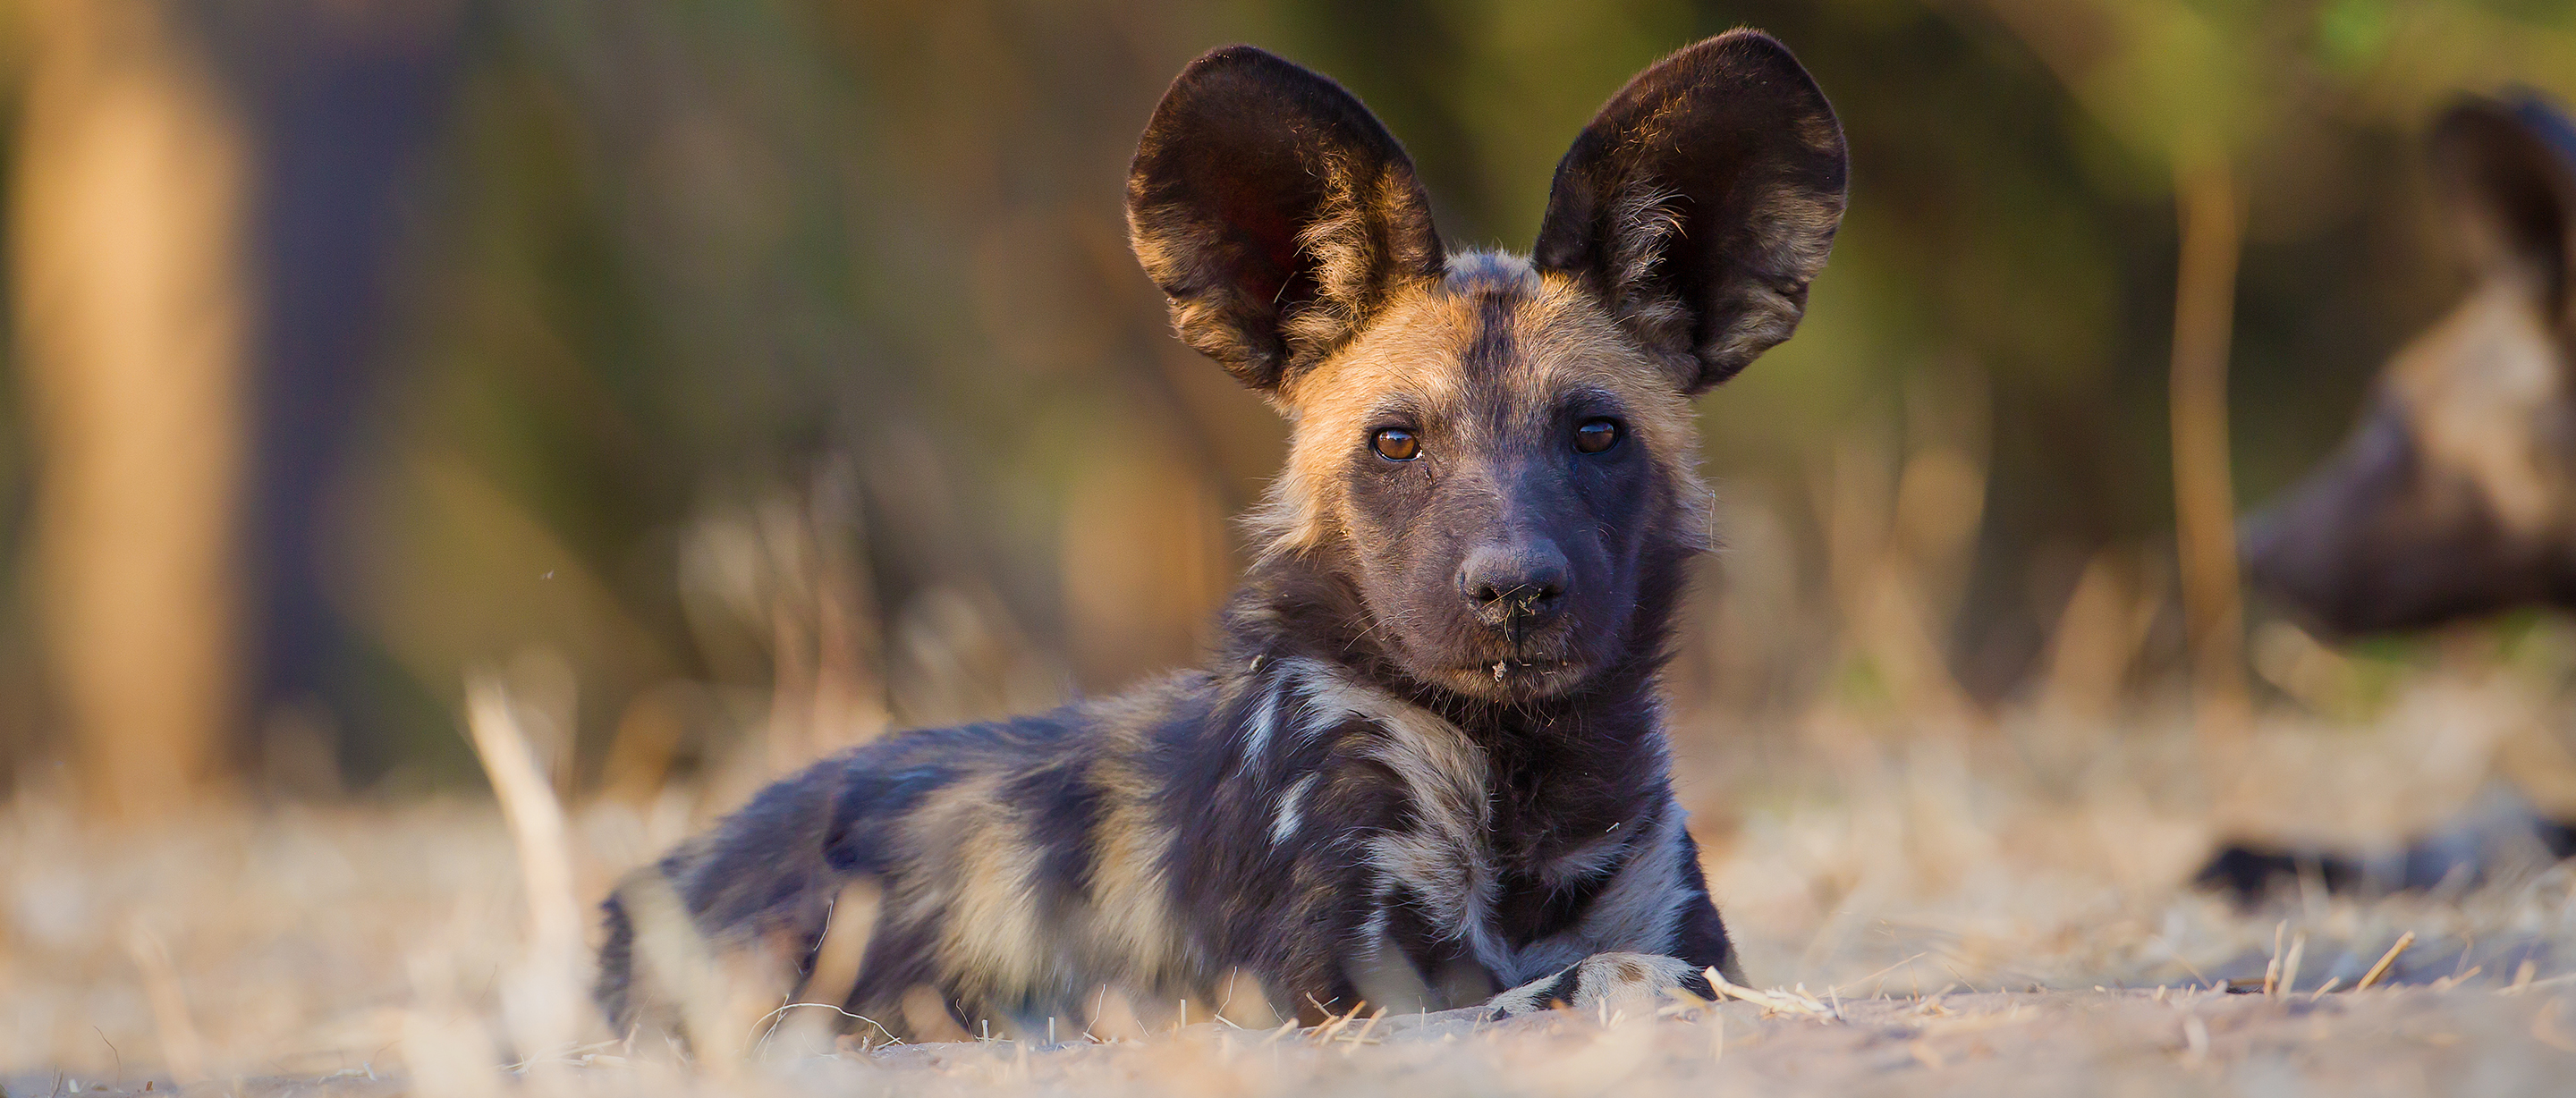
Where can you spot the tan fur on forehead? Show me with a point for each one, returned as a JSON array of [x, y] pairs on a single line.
[[1414, 355], [1568, 340]]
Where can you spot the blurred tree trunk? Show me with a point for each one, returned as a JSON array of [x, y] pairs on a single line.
[[2204, 494], [128, 215]]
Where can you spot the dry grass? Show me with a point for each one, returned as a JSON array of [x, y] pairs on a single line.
[[1909, 896]]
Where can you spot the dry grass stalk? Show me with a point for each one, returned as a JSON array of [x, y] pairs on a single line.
[[925, 1013], [2195, 1038], [181, 1045], [529, 807], [2544, 1028], [804, 1031], [1113, 1016], [2386, 961], [1355, 1040], [1335, 1023], [1874, 979], [2553, 981], [671, 956], [2272, 971], [544, 1000], [1244, 1003], [1774, 1001]]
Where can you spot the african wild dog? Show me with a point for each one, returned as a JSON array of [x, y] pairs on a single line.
[[2456, 496], [1426, 763]]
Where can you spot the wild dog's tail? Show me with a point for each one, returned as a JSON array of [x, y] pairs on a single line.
[[730, 918]]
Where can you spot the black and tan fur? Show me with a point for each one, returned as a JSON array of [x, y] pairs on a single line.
[[1426, 766]]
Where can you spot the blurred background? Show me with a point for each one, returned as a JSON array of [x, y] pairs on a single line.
[[734, 380], [718, 382]]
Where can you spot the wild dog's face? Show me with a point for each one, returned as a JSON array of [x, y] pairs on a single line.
[[2456, 496], [1490, 464], [1490, 450]]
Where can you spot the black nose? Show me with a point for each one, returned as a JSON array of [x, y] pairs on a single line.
[[1514, 587]]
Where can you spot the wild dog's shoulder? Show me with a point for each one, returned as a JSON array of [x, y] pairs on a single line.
[[1288, 715], [1327, 762]]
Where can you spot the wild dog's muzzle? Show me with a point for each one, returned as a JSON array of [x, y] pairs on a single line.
[[1515, 590]]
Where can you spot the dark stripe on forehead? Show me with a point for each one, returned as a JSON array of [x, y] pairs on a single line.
[[1497, 286], [1492, 344]]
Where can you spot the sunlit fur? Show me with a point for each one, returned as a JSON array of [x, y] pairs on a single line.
[[1567, 339]]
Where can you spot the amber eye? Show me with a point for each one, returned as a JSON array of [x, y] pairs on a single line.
[[1596, 435], [1395, 444]]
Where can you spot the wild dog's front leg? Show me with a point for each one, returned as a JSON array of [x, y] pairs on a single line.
[[1667, 951], [1605, 978]]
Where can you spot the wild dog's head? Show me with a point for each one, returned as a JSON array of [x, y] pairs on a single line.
[[2457, 494], [1490, 452]]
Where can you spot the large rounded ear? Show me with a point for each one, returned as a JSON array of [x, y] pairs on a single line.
[[2509, 167], [1700, 202], [1275, 211]]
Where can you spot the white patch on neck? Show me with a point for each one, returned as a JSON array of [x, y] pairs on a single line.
[[1443, 863]]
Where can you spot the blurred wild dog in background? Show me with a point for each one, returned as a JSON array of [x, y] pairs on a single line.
[[2456, 495], [1426, 763]]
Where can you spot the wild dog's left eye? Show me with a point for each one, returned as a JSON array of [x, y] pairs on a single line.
[[1596, 435]]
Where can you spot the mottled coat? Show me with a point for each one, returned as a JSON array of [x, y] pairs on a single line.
[[1426, 765]]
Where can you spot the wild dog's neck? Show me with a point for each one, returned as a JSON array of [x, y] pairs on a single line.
[[1301, 607]]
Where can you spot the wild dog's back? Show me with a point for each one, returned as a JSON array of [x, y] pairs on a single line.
[[1010, 864]]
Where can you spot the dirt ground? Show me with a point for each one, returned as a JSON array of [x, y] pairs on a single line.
[[2004, 910], [2401, 1041]]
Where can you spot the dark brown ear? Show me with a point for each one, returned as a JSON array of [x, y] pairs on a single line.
[[1701, 201], [1275, 211], [2511, 167]]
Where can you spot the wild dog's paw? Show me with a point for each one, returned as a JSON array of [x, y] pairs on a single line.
[[1604, 978]]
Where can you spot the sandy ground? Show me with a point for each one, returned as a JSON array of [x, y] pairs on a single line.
[[2401, 1041], [1985, 912]]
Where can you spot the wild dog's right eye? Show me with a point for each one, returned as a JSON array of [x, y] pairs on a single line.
[[1395, 444]]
